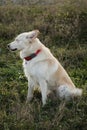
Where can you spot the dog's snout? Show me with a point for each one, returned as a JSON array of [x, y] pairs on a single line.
[[10, 48]]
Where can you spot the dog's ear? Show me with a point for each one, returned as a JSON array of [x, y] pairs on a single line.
[[33, 34]]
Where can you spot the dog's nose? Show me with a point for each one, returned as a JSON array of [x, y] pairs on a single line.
[[8, 46]]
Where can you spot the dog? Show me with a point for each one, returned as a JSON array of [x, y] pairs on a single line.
[[42, 68]]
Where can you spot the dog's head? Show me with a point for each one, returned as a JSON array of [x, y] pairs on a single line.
[[23, 40]]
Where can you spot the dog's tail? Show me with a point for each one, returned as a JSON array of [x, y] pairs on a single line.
[[77, 92]]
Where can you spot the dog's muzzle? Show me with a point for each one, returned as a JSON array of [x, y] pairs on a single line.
[[8, 46]]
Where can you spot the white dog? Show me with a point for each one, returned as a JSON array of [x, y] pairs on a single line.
[[42, 68]]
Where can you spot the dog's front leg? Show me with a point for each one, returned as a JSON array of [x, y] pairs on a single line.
[[30, 89], [43, 86]]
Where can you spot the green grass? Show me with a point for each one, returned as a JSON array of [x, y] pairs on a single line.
[[63, 30]]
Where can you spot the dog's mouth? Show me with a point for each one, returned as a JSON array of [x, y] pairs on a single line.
[[13, 49]]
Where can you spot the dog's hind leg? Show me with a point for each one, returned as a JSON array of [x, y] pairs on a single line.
[[64, 92]]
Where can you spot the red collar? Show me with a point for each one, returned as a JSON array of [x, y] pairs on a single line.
[[33, 55]]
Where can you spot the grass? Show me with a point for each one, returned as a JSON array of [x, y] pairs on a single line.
[[63, 30]]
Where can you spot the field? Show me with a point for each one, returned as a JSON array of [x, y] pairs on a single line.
[[64, 30]]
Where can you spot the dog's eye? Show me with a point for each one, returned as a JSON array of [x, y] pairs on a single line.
[[16, 40]]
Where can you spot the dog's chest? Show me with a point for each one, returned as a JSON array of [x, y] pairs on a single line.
[[29, 69]]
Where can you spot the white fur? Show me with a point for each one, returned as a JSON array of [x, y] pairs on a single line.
[[65, 92], [43, 70]]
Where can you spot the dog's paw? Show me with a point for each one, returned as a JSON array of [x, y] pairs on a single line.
[[29, 99]]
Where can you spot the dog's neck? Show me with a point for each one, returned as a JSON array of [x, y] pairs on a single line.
[[33, 55], [34, 49]]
